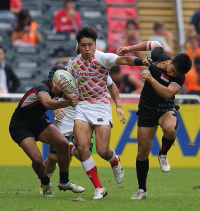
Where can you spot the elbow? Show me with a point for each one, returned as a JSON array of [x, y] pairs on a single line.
[[47, 106], [168, 96]]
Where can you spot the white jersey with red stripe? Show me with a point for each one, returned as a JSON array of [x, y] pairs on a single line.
[[91, 76]]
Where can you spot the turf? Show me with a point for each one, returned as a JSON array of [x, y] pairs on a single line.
[[177, 190]]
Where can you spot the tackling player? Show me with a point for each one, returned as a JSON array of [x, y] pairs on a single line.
[[163, 81], [91, 69], [30, 124], [64, 121]]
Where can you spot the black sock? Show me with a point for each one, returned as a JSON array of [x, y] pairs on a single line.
[[142, 168], [64, 177], [166, 145], [45, 180]]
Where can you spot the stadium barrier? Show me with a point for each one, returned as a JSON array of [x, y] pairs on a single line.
[[184, 153]]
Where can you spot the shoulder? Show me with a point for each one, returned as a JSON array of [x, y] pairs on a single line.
[[158, 54], [60, 12], [43, 86]]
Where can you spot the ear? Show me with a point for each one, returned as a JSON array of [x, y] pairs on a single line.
[[172, 59]]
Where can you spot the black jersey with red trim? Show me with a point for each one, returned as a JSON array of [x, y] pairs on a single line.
[[150, 100], [30, 108]]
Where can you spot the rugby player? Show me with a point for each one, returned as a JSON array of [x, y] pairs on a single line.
[[29, 124], [91, 68], [163, 81], [64, 121]]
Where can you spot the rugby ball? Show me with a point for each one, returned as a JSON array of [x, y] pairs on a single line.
[[68, 78]]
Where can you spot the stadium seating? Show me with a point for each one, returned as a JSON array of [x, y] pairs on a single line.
[[7, 25], [120, 2], [117, 26], [100, 25], [93, 13], [31, 2], [89, 3], [53, 2], [33, 51], [25, 86], [27, 63], [123, 13], [37, 12], [52, 38], [4, 38]]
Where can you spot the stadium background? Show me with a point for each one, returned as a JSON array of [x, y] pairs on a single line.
[[110, 18]]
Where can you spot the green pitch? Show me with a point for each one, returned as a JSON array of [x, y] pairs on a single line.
[[178, 190]]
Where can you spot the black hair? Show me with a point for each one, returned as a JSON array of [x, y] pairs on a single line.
[[87, 31], [114, 70], [23, 14], [182, 63], [197, 59], [1, 47], [158, 25], [132, 22]]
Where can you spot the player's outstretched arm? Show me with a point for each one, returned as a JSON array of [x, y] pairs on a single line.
[[163, 91], [51, 104], [113, 90], [143, 46], [133, 61]]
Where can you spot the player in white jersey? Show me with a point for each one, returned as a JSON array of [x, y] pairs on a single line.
[[91, 68], [64, 121]]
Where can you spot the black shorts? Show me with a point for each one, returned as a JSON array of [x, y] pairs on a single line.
[[150, 119], [20, 130]]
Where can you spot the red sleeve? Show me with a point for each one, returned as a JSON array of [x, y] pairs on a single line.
[[15, 4], [57, 21], [78, 19]]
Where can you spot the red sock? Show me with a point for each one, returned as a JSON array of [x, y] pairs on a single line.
[[71, 147], [114, 162], [93, 175]]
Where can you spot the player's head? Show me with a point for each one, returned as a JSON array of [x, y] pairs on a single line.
[[86, 38], [159, 27], [131, 27], [180, 65], [70, 4], [1, 53], [53, 70]]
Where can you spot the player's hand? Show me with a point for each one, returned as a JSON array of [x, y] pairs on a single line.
[[147, 62], [59, 87], [73, 101], [146, 75], [121, 51], [120, 112], [59, 113]]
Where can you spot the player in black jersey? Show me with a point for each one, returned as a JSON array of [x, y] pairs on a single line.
[[163, 81], [29, 123]]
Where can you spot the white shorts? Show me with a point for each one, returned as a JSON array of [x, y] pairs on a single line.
[[95, 114], [66, 124]]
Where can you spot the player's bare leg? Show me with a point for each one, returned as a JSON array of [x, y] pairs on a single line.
[[169, 124], [30, 148], [52, 136], [82, 135], [102, 145], [145, 136]]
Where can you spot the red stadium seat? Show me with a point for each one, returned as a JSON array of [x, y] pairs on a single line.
[[122, 13], [116, 25], [120, 2], [113, 37]]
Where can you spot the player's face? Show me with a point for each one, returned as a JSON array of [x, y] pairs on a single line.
[[172, 71], [87, 47]]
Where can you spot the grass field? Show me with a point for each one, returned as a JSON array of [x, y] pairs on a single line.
[[177, 190]]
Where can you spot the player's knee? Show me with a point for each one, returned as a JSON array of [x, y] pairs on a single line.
[[52, 157], [102, 152], [169, 132], [143, 153], [63, 146], [83, 150], [37, 160]]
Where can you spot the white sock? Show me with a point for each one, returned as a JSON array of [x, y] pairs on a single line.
[[88, 164], [113, 156]]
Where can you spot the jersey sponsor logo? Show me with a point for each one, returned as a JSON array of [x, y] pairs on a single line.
[[88, 74], [93, 64], [164, 78], [100, 119]]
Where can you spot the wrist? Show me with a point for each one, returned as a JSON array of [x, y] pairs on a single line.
[[138, 62], [152, 80]]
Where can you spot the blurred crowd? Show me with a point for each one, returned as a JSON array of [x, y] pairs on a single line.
[[66, 20]]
